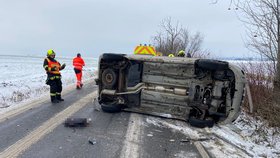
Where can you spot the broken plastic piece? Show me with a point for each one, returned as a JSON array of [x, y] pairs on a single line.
[[92, 141], [77, 122], [197, 139]]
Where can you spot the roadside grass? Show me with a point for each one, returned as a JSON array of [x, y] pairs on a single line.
[[260, 80]]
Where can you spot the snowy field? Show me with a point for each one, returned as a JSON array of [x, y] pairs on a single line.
[[22, 79]]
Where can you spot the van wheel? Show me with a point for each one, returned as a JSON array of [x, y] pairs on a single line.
[[212, 65], [109, 78], [201, 123], [112, 57], [111, 107]]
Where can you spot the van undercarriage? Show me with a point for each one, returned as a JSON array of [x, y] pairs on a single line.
[[199, 91]]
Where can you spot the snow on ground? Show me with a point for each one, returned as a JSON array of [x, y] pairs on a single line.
[[246, 137], [23, 78]]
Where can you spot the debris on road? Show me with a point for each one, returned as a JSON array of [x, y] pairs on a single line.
[[96, 105], [150, 134], [92, 141], [77, 122], [194, 140]]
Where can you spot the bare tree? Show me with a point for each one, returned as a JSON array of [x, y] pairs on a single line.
[[262, 20], [173, 38], [261, 24]]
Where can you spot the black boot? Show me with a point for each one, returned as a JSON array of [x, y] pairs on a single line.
[[58, 97], [54, 100], [78, 87]]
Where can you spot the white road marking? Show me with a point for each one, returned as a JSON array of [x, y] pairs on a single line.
[[201, 150], [184, 129], [21, 145], [132, 142]]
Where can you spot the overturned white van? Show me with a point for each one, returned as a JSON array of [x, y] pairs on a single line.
[[200, 91]]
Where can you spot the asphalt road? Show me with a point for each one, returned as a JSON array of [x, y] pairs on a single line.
[[39, 132]]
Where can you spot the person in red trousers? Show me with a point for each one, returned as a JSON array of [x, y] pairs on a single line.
[[78, 64]]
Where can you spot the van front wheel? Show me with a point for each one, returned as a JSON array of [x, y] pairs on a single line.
[[111, 107]]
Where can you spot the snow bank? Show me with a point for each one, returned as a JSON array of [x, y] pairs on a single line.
[[247, 137]]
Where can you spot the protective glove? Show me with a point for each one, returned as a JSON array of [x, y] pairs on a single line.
[[63, 66], [54, 68]]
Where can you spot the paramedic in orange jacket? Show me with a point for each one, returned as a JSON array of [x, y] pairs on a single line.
[[78, 64]]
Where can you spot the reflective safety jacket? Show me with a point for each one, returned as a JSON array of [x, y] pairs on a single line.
[[78, 63], [52, 66]]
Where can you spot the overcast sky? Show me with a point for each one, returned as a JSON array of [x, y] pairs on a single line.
[[92, 27]]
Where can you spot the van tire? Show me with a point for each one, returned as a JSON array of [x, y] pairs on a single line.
[[201, 123], [111, 107], [108, 57], [212, 65]]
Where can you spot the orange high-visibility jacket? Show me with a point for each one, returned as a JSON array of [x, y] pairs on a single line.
[[52, 64], [78, 63]]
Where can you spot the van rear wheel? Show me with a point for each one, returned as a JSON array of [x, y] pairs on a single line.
[[109, 78]]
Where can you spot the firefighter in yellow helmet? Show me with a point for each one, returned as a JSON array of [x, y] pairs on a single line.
[[170, 55], [53, 68], [181, 53]]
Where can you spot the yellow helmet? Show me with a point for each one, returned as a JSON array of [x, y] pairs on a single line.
[[181, 53], [50, 52], [170, 55]]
